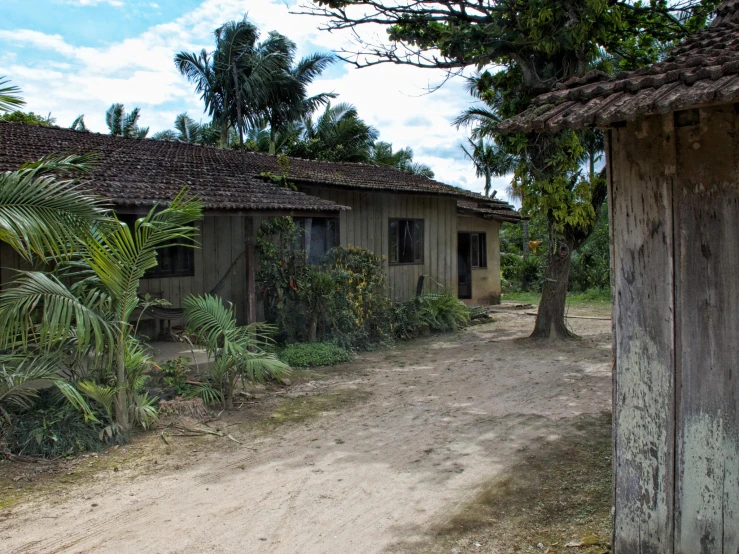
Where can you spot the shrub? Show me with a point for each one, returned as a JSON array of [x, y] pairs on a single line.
[[313, 354], [436, 311], [362, 310], [343, 300], [50, 428]]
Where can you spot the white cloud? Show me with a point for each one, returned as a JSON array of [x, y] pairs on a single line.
[[139, 71]]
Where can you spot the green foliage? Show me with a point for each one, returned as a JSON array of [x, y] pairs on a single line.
[[122, 124], [78, 312], [49, 428], [238, 352], [433, 311], [524, 274], [28, 118], [344, 299], [10, 96], [174, 374], [591, 262], [337, 135], [313, 354]]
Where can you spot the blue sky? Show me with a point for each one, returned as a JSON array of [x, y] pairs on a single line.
[[73, 57]]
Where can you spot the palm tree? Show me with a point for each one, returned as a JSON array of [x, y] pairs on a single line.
[[337, 135], [44, 215], [10, 96], [287, 100], [186, 129], [382, 154], [89, 319], [79, 124], [234, 80], [490, 161], [122, 124], [237, 351]]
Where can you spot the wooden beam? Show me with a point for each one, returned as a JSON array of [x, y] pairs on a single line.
[[251, 262]]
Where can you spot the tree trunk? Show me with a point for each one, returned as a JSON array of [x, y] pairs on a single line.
[[550, 319], [225, 127], [272, 140], [121, 406], [525, 232], [228, 393], [312, 328]]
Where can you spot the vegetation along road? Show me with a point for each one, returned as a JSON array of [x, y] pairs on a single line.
[[479, 441]]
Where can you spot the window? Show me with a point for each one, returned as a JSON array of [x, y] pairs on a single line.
[[406, 241], [320, 234], [478, 250], [173, 261]]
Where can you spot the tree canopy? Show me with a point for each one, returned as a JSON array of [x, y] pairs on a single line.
[[520, 49]]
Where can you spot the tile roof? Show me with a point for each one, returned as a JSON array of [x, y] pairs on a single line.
[[140, 172], [704, 69], [143, 171], [501, 211]]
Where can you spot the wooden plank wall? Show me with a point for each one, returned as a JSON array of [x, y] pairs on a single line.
[[707, 333], [366, 226], [222, 240], [641, 203], [674, 211]]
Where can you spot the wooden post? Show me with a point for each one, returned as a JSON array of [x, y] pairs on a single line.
[[674, 193], [251, 262]]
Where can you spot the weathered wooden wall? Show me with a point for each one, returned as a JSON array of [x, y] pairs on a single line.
[[485, 281], [366, 226], [674, 193], [222, 241]]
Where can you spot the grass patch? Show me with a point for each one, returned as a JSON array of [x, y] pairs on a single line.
[[295, 410], [591, 297], [314, 354], [558, 494]]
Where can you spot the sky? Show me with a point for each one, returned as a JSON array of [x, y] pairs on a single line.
[[73, 57]]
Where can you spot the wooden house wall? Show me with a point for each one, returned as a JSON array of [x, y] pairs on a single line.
[[674, 192], [366, 225], [486, 287], [222, 242]]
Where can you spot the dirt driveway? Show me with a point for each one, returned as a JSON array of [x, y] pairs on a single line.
[[409, 435]]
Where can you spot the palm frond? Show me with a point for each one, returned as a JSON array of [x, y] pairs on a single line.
[[37, 308], [10, 96]]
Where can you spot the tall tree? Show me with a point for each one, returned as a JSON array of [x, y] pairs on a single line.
[[538, 44], [186, 129], [383, 154], [287, 101], [338, 134], [122, 124], [235, 80], [490, 160]]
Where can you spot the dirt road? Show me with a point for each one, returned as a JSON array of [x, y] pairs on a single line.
[[416, 430]]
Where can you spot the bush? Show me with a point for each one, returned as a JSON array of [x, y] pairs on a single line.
[[435, 311], [343, 300], [313, 354], [51, 429]]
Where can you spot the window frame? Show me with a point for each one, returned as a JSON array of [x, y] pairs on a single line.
[[482, 250], [301, 222], [414, 222]]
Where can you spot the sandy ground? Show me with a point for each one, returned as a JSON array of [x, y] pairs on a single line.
[[434, 419]]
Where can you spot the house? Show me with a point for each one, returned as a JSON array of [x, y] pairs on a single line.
[[672, 159], [415, 223]]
